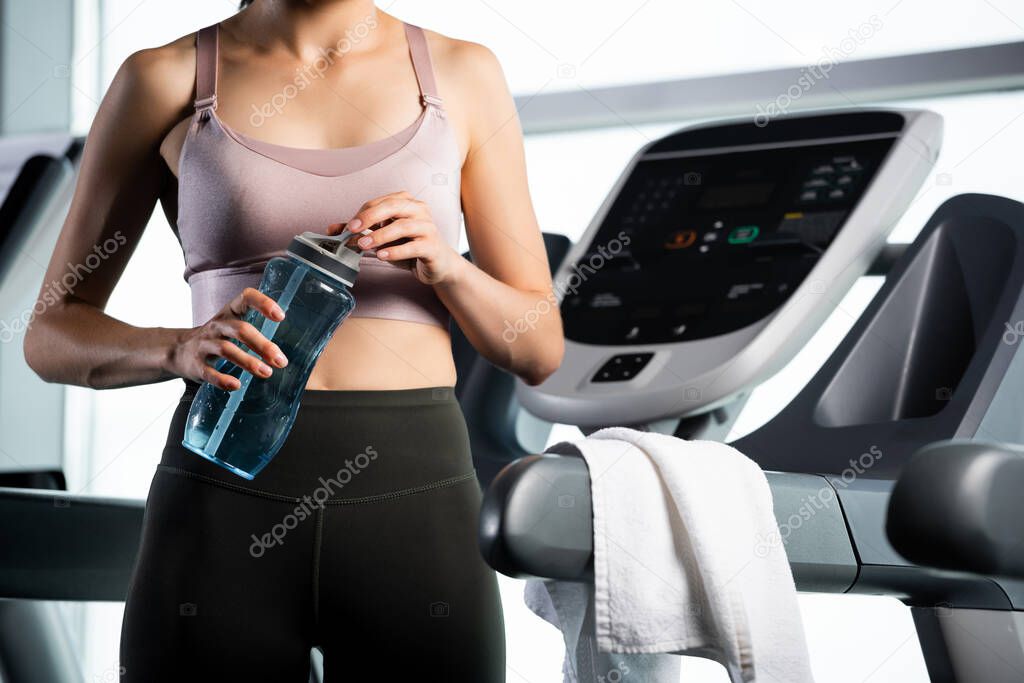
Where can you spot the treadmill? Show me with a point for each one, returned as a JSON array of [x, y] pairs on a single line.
[[54, 546], [926, 389]]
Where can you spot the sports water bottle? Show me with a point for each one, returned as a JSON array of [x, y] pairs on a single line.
[[242, 430]]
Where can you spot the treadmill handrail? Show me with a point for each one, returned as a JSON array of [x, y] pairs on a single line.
[[978, 525], [63, 546], [537, 521]]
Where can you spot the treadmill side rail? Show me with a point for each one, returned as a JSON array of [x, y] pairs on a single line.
[[813, 530], [537, 521], [59, 546]]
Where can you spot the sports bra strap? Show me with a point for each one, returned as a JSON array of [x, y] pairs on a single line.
[[421, 65], [206, 68]]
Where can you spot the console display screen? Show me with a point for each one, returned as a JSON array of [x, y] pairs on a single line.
[[699, 246], [735, 196]]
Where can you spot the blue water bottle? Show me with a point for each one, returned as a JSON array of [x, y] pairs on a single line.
[[242, 430]]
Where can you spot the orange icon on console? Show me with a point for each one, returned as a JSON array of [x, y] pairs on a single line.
[[681, 239]]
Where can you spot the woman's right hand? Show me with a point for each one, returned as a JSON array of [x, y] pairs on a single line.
[[200, 348]]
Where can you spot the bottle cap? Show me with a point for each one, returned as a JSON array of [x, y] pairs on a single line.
[[327, 254]]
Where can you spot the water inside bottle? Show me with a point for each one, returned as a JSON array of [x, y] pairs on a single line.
[[242, 430]]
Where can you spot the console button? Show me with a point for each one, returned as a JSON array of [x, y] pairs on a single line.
[[743, 289], [681, 239], [622, 367], [744, 234], [605, 300], [850, 165], [818, 227]]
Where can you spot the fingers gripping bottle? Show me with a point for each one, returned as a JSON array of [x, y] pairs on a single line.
[[242, 430]]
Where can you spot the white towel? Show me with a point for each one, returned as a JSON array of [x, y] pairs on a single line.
[[687, 560]]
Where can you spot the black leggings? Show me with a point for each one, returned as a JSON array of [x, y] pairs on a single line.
[[359, 538]]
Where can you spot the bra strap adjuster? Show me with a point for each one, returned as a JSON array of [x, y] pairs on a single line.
[[207, 103], [432, 100]]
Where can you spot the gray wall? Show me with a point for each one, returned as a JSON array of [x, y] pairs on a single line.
[[31, 410], [36, 43]]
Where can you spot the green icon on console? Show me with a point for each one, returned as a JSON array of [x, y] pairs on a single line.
[[744, 234]]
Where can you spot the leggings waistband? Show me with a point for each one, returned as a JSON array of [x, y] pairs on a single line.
[[360, 445], [259, 493], [361, 398]]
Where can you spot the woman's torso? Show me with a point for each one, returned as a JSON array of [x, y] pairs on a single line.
[[240, 197]]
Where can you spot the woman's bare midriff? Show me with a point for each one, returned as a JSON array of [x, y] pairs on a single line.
[[366, 353], [374, 353]]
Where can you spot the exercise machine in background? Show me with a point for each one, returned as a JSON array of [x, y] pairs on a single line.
[[929, 361]]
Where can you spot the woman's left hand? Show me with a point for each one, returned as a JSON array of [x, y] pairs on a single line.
[[404, 234]]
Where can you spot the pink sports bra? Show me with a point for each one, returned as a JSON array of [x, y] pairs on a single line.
[[241, 200]]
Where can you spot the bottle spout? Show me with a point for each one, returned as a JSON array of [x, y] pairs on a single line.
[[335, 244], [343, 237], [328, 253]]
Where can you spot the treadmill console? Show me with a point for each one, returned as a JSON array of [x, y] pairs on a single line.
[[717, 255], [701, 245]]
